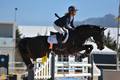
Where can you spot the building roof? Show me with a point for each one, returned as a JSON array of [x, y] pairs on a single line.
[[31, 31]]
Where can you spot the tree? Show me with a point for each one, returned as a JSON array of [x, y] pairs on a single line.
[[18, 35], [110, 42]]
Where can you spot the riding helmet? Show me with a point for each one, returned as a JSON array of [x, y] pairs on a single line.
[[72, 8]]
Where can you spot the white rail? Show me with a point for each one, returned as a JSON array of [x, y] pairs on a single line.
[[44, 71]]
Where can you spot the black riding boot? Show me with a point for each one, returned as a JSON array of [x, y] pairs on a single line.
[[59, 39]]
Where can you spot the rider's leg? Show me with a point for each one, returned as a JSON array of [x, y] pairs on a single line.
[[59, 36], [59, 39], [59, 29]]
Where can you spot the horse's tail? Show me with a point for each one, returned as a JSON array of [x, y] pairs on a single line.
[[22, 46], [23, 50]]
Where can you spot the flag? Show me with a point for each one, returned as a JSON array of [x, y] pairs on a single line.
[[119, 10], [118, 18], [44, 59], [3, 77]]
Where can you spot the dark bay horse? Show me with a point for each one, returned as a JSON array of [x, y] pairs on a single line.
[[37, 47]]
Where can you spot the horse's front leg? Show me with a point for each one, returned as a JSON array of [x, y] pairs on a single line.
[[88, 49]]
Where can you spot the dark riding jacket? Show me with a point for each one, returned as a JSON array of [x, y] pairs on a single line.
[[65, 21]]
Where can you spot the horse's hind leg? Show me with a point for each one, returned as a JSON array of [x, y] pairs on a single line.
[[29, 65], [31, 74], [23, 49], [26, 59]]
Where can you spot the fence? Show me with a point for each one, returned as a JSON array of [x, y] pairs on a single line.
[[85, 69]]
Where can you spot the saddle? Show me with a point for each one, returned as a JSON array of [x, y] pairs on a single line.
[[53, 33], [52, 39], [57, 34]]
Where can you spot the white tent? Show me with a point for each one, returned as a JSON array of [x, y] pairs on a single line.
[[31, 31], [106, 50]]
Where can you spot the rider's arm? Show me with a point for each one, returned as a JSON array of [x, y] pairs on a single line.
[[67, 25], [71, 24]]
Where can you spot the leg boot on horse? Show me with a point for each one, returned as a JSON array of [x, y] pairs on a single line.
[[88, 49], [30, 72]]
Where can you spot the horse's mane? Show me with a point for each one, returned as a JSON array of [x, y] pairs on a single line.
[[87, 26], [39, 36]]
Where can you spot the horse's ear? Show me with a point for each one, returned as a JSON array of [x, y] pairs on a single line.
[[103, 29]]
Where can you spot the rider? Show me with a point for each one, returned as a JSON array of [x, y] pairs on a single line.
[[64, 23]]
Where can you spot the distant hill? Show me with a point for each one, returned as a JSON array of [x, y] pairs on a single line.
[[106, 21]]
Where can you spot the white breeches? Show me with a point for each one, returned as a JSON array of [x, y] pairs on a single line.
[[60, 30]]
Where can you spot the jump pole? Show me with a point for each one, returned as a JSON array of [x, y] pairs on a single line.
[[52, 66], [90, 69]]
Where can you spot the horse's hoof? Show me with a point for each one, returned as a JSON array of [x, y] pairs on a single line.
[[79, 59], [25, 78], [84, 55]]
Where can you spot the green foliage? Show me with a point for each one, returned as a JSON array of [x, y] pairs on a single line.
[[110, 42], [18, 35], [17, 55]]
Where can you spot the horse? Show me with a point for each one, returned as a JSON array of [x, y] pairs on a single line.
[[37, 47]]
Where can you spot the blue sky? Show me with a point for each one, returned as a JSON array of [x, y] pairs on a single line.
[[41, 12]]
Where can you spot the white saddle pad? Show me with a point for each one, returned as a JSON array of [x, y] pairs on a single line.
[[52, 39]]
